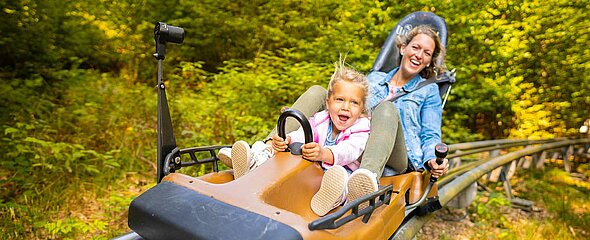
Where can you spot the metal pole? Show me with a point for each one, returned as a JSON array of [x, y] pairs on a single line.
[[166, 140]]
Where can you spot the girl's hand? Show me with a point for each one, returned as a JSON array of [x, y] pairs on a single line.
[[312, 151], [279, 144], [438, 170]]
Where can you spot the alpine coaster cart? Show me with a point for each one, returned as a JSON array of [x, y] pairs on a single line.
[[273, 201]]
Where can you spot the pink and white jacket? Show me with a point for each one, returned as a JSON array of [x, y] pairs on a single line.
[[349, 145]]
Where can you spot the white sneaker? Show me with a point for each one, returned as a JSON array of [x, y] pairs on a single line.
[[260, 153], [240, 158], [332, 191], [224, 156], [361, 182]]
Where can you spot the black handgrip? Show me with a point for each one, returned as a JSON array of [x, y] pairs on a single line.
[[440, 150], [300, 117]]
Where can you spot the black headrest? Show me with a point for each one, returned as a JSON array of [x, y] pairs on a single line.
[[388, 57]]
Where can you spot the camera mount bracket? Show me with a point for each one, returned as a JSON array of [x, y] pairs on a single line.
[[166, 33], [166, 142]]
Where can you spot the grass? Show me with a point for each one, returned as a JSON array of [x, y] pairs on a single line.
[[566, 198], [561, 209], [80, 211]]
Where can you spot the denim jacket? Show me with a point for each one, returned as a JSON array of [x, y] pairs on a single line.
[[420, 112]]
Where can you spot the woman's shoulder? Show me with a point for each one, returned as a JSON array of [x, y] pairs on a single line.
[[433, 90], [430, 94], [433, 87], [376, 77], [428, 89]]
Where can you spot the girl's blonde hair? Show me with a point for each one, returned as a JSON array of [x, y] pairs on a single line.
[[438, 56], [348, 74]]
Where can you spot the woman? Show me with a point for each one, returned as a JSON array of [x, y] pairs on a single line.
[[417, 115]]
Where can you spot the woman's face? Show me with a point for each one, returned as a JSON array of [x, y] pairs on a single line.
[[417, 55], [345, 105]]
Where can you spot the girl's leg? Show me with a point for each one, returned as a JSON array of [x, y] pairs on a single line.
[[386, 143], [310, 102]]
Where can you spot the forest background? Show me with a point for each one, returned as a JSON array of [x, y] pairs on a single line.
[[78, 113]]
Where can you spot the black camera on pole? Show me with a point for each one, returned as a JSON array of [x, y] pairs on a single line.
[[166, 33]]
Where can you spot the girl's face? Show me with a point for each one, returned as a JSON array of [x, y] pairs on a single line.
[[345, 105], [417, 54]]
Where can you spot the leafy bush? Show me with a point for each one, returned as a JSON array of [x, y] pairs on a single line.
[[79, 109]]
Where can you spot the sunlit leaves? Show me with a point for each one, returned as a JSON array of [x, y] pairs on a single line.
[[528, 54], [78, 76]]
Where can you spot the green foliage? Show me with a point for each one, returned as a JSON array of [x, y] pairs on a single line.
[[46, 156], [560, 209], [487, 208], [67, 228], [243, 101], [79, 109], [525, 58], [561, 194]]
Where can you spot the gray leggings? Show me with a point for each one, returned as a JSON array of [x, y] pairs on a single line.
[[386, 144]]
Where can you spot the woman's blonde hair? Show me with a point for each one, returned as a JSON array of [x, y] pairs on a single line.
[[348, 74], [438, 56]]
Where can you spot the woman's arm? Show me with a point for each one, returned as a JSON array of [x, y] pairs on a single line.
[[430, 134], [431, 116]]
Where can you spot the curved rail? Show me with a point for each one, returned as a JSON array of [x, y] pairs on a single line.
[[479, 147], [478, 169]]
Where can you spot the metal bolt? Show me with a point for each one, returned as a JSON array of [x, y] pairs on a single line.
[[177, 160]]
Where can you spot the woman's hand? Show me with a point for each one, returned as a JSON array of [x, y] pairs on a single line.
[[438, 170], [279, 144]]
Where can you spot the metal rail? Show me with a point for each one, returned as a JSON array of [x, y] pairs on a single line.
[[478, 169], [485, 146], [487, 143]]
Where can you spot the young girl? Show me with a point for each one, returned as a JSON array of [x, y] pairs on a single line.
[[340, 134]]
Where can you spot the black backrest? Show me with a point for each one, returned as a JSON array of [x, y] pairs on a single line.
[[389, 56]]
